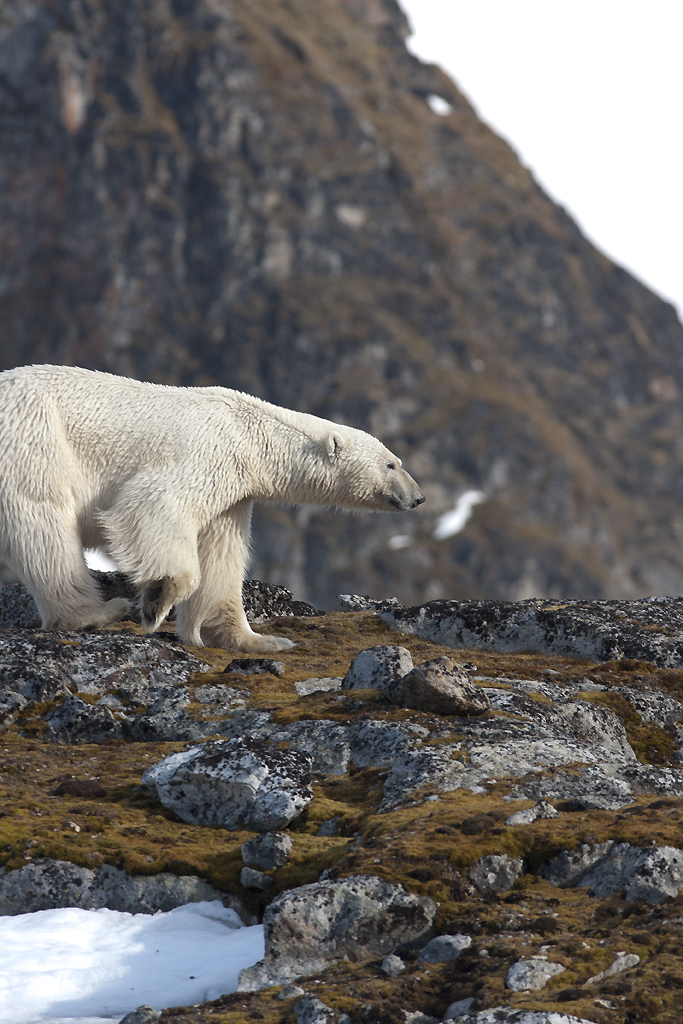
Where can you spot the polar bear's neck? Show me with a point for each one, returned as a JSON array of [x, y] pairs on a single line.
[[293, 465]]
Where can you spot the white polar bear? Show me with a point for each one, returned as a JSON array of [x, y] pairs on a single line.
[[163, 479]]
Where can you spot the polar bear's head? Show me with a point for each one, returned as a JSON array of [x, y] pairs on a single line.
[[366, 475]]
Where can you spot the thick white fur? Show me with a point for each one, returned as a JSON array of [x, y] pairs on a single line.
[[163, 480]]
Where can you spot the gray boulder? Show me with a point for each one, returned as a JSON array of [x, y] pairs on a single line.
[[377, 668], [310, 1010], [356, 918], [651, 875], [531, 975], [496, 873], [444, 948], [235, 784], [540, 810], [267, 851], [143, 1015], [441, 685]]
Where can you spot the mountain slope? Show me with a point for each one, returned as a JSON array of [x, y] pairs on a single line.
[[259, 195]]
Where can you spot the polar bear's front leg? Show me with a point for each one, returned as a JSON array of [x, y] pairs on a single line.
[[214, 614]]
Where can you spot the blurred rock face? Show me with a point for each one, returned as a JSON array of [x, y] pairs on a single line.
[[260, 196]]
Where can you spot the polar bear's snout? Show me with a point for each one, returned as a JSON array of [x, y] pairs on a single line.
[[405, 492]]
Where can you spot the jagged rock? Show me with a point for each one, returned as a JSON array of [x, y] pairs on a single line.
[[221, 697], [531, 975], [444, 948], [358, 917], [167, 720], [74, 721], [414, 769], [356, 603], [250, 879], [392, 965], [599, 725], [377, 667], [238, 783], [44, 666], [496, 873], [265, 601], [255, 666], [143, 1015], [647, 629], [623, 962], [650, 874], [46, 884], [441, 686], [509, 1015], [290, 992], [267, 851], [530, 814], [310, 1010], [377, 743]]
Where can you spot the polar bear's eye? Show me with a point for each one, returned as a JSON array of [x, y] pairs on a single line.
[[391, 465]]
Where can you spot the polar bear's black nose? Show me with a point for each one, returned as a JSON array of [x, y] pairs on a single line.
[[418, 501]]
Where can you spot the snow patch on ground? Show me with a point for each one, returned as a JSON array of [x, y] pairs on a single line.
[[73, 966]]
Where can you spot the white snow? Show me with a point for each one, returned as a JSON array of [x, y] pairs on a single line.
[[439, 105], [74, 966], [98, 560], [453, 522]]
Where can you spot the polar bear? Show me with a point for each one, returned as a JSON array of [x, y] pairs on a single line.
[[163, 479]]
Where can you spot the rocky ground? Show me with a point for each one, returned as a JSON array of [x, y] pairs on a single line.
[[429, 831]]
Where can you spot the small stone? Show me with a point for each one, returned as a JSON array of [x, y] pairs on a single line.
[[318, 684], [255, 666], [496, 873], [143, 1015], [458, 1009], [267, 851], [444, 948], [542, 809], [290, 992], [329, 827], [531, 975], [623, 962], [377, 667], [392, 965], [440, 686], [79, 787], [251, 879]]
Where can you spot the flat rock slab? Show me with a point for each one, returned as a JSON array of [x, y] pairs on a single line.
[[650, 629], [242, 783]]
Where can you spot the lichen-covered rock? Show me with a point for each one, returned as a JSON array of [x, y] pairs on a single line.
[[267, 851], [647, 629], [255, 666], [361, 916], [441, 686], [542, 809], [495, 873], [413, 770], [238, 783], [392, 966], [377, 668], [510, 1015], [310, 1010], [623, 962], [444, 948], [46, 884], [651, 875], [532, 975], [142, 1015], [44, 666], [75, 721]]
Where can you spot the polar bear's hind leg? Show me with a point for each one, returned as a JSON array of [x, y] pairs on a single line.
[[158, 597], [53, 568]]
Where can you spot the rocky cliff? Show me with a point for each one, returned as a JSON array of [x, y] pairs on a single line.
[[260, 195]]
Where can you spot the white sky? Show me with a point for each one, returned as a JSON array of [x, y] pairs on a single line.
[[590, 95], [76, 966]]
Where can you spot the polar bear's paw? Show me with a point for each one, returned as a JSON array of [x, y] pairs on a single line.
[[256, 643]]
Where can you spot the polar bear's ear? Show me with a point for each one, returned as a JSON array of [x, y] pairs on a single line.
[[334, 445]]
